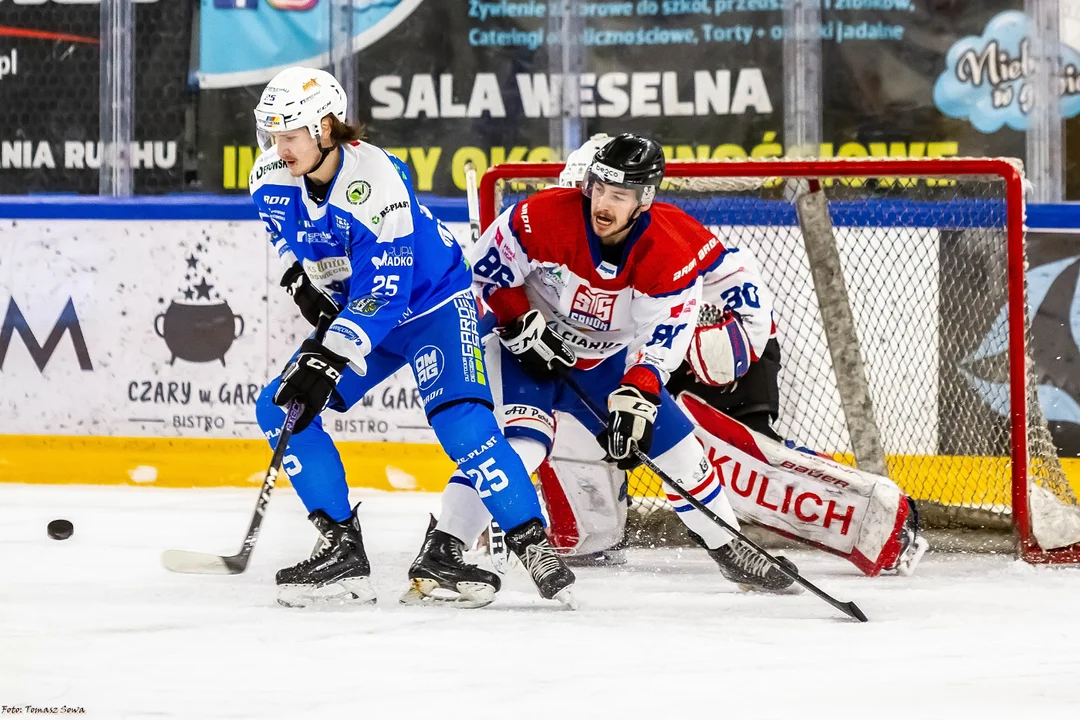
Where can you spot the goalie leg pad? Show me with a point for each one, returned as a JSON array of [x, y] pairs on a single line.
[[803, 495], [585, 496]]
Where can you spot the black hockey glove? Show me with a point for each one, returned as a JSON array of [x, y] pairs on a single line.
[[631, 415], [311, 377], [542, 353], [312, 300]]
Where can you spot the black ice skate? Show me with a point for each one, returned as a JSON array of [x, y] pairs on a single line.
[[912, 544], [546, 567], [747, 568], [337, 573], [440, 575]]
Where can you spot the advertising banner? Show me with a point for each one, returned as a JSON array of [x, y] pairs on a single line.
[[172, 332], [483, 81], [1054, 297], [49, 106]]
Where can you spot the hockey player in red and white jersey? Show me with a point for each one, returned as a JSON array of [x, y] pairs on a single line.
[[604, 284], [728, 385]]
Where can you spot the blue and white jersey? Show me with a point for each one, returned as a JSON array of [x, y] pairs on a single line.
[[379, 252]]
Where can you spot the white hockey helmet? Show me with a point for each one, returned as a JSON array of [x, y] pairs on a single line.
[[573, 173], [298, 97]]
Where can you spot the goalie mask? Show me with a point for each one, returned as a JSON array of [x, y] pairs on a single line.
[[573, 173]]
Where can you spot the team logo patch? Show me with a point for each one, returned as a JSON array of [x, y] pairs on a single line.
[[367, 306], [359, 191], [428, 365], [592, 309], [553, 278]]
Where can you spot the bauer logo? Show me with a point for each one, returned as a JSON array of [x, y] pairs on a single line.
[[989, 79], [428, 365]]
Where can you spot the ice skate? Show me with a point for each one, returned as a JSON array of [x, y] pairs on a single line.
[[440, 575], [747, 568], [552, 577], [913, 545], [336, 573]]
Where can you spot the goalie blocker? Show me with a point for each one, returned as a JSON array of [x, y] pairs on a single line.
[[794, 492]]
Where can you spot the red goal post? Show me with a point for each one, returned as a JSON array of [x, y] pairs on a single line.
[[966, 217]]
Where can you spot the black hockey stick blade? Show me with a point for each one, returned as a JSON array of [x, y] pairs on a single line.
[[848, 608]]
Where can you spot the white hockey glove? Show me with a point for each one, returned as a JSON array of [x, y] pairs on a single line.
[[631, 415], [542, 353], [720, 348]]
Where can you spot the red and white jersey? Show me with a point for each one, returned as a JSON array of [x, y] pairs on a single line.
[[541, 253], [734, 283]]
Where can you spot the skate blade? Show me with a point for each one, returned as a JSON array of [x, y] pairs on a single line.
[[348, 592], [425, 592], [792, 589], [606, 558], [566, 597], [907, 565]]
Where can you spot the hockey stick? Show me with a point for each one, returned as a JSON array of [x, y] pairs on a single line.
[[848, 608], [500, 556], [188, 561], [472, 200]]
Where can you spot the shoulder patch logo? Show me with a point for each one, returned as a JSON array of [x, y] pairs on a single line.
[[359, 191], [367, 306]]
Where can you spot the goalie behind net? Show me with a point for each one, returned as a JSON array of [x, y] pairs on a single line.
[[931, 306]]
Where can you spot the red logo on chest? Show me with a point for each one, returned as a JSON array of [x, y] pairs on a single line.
[[592, 309]]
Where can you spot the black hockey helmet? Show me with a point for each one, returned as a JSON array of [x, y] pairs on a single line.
[[629, 161]]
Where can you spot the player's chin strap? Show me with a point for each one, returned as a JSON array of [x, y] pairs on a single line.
[[325, 153]]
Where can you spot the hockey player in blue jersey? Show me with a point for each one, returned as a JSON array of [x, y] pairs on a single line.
[[357, 246]]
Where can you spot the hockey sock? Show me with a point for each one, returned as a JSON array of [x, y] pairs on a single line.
[[686, 463], [463, 512], [312, 461]]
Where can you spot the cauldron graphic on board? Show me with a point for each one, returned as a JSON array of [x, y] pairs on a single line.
[[199, 333]]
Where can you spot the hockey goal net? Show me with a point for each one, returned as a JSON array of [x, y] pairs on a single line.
[[903, 325]]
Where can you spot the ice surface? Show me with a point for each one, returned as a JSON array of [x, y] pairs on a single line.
[[96, 622]]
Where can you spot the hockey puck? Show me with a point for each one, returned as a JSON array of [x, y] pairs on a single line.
[[60, 529]]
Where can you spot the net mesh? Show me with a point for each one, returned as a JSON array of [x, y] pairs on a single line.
[[924, 260]]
